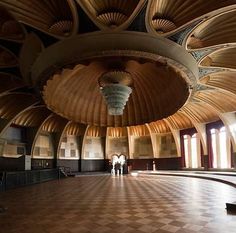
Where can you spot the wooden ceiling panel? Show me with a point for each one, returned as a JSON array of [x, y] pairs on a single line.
[[112, 14], [57, 18], [222, 101], [117, 132], [198, 112], [53, 124], [179, 121], [225, 58], [96, 131], [157, 91], [218, 30], [165, 16], [159, 127], [139, 130], [12, 104], [75, 129], [224, 80], [32, 117]]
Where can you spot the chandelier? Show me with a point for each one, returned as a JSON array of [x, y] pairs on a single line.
[[115, 87]]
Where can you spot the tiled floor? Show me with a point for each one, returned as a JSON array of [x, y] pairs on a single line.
[[126, 204]]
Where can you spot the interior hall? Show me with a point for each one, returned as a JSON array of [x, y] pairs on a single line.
[[117, 116]]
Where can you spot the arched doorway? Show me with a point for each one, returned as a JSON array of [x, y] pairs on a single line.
[[119, 164]]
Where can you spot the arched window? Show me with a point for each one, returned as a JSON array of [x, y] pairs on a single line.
[[192, 151], [220, 148]]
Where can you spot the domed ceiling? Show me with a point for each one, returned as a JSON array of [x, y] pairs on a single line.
[[178, 58]]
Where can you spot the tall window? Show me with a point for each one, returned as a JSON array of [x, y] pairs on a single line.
[[214, 143], [220, 148], [192, 151], [187, 152]]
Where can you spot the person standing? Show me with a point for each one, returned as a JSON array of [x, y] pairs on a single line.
[[153, 165]]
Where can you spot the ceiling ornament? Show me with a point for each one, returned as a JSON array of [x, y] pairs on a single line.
[[163, 25], [159, 78], [112, 14], [167, 52], [115, 87]]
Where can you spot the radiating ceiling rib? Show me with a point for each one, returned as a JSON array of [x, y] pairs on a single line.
[[197, 112], [176, 136], [33, 117], [94, 94], [141, 89], [53, 124], [12, 103], [117, 132], [137, 93], [96, 131], [223, 80], [159, 127], [225, 58], [11, 106], [205, 106], [74, 128], [222, 101], [140, 130], [179, 121], [215, 31], [151, 85]]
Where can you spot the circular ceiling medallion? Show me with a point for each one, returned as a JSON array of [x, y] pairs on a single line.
[[159, 79]]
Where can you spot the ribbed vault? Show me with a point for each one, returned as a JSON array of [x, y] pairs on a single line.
[[221, 58], [215, 31], [223, 80], [51, 85], [154, 89], [165, 15]]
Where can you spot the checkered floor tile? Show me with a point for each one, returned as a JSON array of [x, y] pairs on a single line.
[[100, 204]]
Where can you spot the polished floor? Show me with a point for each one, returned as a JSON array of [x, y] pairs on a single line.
[[223, 177], [125, 204]]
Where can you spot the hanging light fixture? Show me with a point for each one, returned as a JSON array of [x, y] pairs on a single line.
[[115, 87]]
